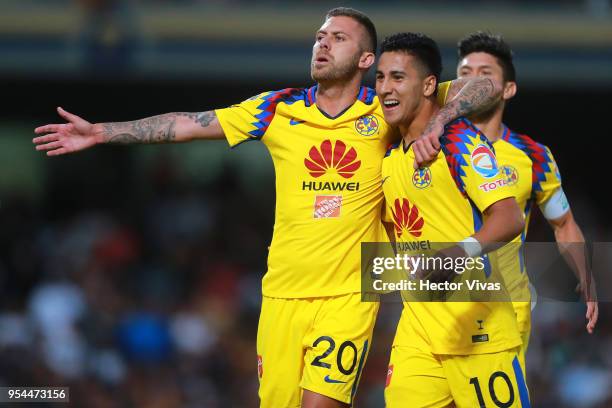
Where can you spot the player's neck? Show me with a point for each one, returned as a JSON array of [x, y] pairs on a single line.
[[491, 126], [333, 98], [411, 131]]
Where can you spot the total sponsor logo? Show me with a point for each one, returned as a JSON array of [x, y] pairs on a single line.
[[366, 125], [406, 218], [327, 206], [484, 162], [331, 158], [492, 185]]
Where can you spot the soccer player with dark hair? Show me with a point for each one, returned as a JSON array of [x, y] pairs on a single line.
[[530, 170], [460, 354], [327, 143]]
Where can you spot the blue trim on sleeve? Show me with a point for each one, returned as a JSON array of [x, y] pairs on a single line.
[[268, 105]]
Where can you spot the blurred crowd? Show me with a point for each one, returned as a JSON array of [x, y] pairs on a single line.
[[154, 307], [151, 299]]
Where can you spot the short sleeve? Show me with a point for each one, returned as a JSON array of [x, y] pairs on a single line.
[[250, 119], [473, 165], [243, 122], [547, 178]]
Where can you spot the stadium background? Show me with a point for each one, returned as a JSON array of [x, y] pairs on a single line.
[[132, 274]]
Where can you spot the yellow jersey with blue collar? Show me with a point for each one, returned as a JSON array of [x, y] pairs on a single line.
[[444, 203], [328, 190]]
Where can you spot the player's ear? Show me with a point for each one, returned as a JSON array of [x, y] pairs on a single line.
[[366, 60], [429, 85], [509, 90]]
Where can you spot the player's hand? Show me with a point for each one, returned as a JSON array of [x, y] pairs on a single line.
[[78, 134], [590, 298], [591, 315], [427, 146]]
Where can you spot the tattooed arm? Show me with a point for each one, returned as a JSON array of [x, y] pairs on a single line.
[[466, 97], [78, 134]]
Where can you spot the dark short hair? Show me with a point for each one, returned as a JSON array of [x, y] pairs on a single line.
[[362, 19], [418, 45], [493, 44]]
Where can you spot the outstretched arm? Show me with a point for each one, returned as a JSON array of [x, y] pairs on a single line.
[[571, 245], [465, 97], [79, 134]]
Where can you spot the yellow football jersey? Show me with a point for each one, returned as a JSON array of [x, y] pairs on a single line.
[[531, 173], [328, 191], [445, 203]]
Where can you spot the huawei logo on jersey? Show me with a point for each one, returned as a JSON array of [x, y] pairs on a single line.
[[407, 217], [332, 157]]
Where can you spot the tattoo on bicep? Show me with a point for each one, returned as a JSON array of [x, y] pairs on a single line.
[[473, 100], [455, 87], [464, 107], [205, 118], [202, 118]]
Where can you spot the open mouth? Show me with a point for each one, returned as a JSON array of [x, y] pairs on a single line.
[[389, 104]]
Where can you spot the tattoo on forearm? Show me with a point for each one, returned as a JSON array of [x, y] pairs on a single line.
[[470, 101], [156, 129]]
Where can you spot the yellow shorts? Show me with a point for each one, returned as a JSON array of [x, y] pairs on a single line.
[[419, 379], [317, 344]]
